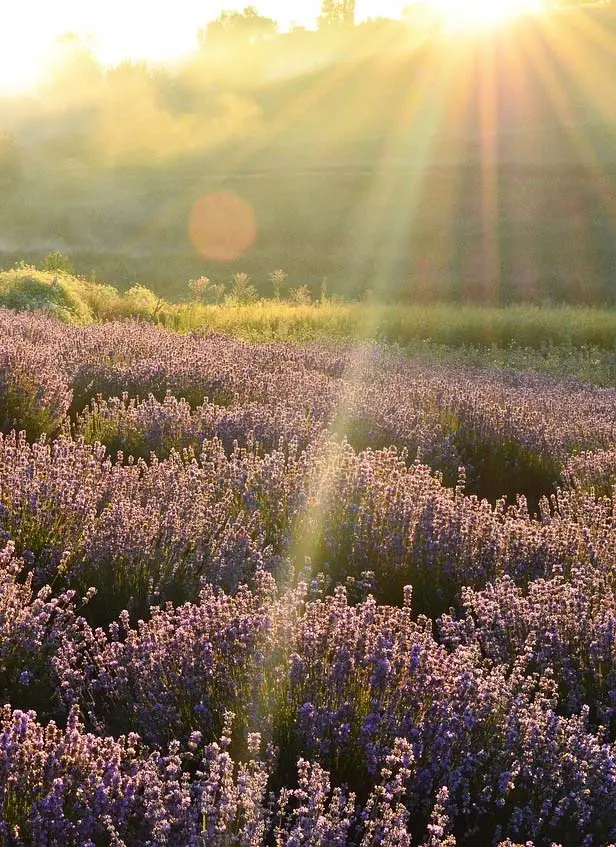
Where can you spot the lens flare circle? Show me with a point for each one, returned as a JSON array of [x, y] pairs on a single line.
[[222, 226]]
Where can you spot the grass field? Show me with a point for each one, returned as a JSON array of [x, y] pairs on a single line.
[[439, 324]]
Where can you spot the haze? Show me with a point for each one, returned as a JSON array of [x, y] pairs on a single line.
[[118, 30]]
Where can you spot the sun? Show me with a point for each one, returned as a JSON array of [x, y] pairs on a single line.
[[483, 14]]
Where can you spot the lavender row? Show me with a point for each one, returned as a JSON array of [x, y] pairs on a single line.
[[415, 731], [146, 532], [512, 431], [73, 788], [258, 632]]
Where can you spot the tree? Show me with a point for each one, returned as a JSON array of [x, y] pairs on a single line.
[[337, 13], [238, 27], [58, 262], [74, 71]]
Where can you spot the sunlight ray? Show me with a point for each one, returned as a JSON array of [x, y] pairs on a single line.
[[582, 21], [578, 50], [582, 141], [489, 132], [425, 102], [336, 73]]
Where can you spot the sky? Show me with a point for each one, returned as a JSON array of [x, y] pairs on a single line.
[[137, 29]]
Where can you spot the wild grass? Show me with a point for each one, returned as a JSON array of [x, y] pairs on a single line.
[[452, 325], [579, 341]]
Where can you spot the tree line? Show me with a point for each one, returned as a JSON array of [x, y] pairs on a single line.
[[250, 25]]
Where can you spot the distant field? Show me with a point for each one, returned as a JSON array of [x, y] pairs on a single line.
[[481, 171], [410, 233]]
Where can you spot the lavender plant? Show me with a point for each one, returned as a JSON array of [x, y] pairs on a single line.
[[34, 395], [321, 595]]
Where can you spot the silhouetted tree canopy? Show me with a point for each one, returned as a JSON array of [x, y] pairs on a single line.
[[233, 26], [337, 13]]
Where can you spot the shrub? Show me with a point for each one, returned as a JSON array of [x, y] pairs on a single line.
[[58, 262], [102, 300], [140, 301], [301, 295], [58, 294], [33, 394]]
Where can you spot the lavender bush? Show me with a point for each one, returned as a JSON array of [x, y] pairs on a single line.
[[271, 595], [34, 396]]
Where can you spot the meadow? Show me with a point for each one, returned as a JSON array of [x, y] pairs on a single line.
[[318, 591]]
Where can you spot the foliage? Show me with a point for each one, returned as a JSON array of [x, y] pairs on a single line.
[[199, 288], [337, 13], [203, 290], [56, 293], [103, 301], [278, 279], [233, 27], [57, 262], [139, 301], [301, 295]]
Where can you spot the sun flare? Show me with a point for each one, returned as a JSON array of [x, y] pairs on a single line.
[[483, 14]]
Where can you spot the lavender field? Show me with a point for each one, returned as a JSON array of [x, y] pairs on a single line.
[[280, 595]]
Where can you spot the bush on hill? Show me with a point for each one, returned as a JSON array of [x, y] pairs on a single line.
[[55, 292]]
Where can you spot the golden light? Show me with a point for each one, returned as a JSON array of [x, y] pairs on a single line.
[[20, 66], [483, 14]]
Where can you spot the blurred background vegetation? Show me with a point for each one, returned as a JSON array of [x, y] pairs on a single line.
[[383, 159]]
